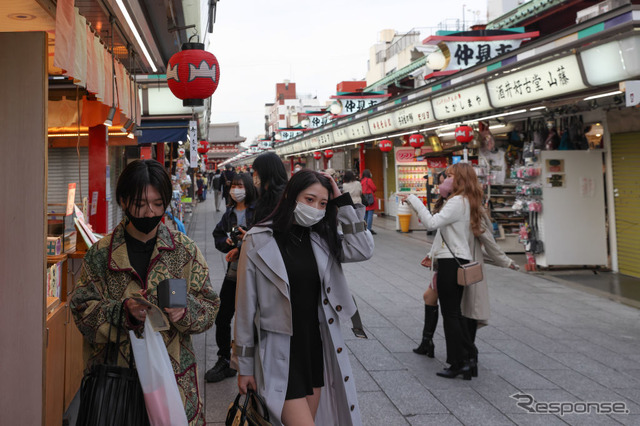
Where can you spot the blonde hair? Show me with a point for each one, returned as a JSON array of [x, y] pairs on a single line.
[[466, 183]]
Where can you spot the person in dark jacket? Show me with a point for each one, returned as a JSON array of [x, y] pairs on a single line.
[[270, 177], [228, 236], [226, 179]]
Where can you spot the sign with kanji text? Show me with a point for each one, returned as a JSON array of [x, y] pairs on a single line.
[[359, 130], [350, 104], [193, 143], [462, 102], [340, 135], [316, 121], [325, 139], [286, 134], [382, 124], [540, 82], [414, 115]]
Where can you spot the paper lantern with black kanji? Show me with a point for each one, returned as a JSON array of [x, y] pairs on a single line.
[[385, 145], [203, 147], [416, 140], [317, 155], [464, 134], [193, 74], [328, 153]]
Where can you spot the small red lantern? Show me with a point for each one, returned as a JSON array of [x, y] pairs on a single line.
[[328, 153], [385, 145], [317, 155], [464, 134], [193, 74], [203, 147], [204, 159], [416, 140]]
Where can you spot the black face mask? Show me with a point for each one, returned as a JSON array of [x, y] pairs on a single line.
[[144, 224]]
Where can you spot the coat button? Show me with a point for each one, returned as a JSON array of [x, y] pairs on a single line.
[[330, 320], [339, 350], [353, 407], [338, 308], [346, 378], [328, 289], [325, 301]]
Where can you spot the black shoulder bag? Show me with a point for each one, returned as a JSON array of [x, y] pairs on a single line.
[[110, 394]]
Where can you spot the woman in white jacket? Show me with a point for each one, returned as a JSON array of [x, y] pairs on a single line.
[[459, 221], [292, 295]]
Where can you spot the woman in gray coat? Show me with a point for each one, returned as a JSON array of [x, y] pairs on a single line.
[[292, 295]]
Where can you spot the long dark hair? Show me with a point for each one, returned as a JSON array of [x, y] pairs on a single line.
[[282, 216], [134, 179], [249, 189], [349, 176], [273, 178]]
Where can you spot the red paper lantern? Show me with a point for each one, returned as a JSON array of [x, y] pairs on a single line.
[[416, 140], [385, 145], [464, 134], [203, 147], [204, 159], [328, 153], [317, 155], [193, 74]]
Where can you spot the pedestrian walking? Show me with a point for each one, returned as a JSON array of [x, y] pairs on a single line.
[[368, 187], [199, 186], [205, 186], [270, 178], [227, 178], [352, 186], [291, 297], [216, 184], [459, 222], [228, 235], [139, 254]]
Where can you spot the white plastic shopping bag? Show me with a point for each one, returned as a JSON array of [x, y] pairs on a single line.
[[161, 394]]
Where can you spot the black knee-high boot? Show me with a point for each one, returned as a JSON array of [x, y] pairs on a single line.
[[430, 321]]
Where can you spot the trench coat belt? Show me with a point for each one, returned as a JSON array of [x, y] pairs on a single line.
[[243, 350]]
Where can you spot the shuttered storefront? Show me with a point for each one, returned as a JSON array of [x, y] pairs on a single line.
[[63, 170], [625, 149]]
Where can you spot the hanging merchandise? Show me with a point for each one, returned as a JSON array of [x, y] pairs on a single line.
[[193, 74]]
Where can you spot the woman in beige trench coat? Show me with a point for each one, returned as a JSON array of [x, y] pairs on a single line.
[[265, 310]]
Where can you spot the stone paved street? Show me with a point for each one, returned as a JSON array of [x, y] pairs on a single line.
[[552, 341]]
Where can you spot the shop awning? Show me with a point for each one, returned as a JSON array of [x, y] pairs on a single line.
[[163, 131], [398, 75]]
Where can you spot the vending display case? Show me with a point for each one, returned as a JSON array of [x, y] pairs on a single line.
[[411, 170]]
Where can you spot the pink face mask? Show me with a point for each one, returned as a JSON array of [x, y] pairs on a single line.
[[446, 187]]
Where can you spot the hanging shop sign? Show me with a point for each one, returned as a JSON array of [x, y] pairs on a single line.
[[341, 135], [350, 104], [318, 119], [408, 155], [193, 143], [611, 62], [540, 82], [325, 139], [385, 145], [359, 130], [470, 48], [193, 74], [437, 162], [286, 134], [462, 102], [382, 124], [414, 115], [312, 143]]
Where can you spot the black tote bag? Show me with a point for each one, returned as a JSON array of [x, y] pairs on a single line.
[[111, 395]]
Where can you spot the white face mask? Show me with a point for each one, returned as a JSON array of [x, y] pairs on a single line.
[[307, 216], [238, 194]]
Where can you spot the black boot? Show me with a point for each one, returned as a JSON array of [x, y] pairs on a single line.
[[430, 321]]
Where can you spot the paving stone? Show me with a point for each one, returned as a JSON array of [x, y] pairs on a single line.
[[364, 381], [407, 393], [535, 419], [433, 419], [378, 410], [627, 419], [393, 339], [373, 356], [470, 407], [526, 355], [600, 373], [524, 378]]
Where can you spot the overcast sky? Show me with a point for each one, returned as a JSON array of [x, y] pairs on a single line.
[[313, 44]]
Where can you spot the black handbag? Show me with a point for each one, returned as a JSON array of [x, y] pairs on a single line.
[[111, 395], [252, 412], [367, 199]]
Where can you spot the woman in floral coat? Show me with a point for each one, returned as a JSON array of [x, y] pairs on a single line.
[[139, 254]]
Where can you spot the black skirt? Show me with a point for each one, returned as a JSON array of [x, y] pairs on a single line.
[[306, 367]]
